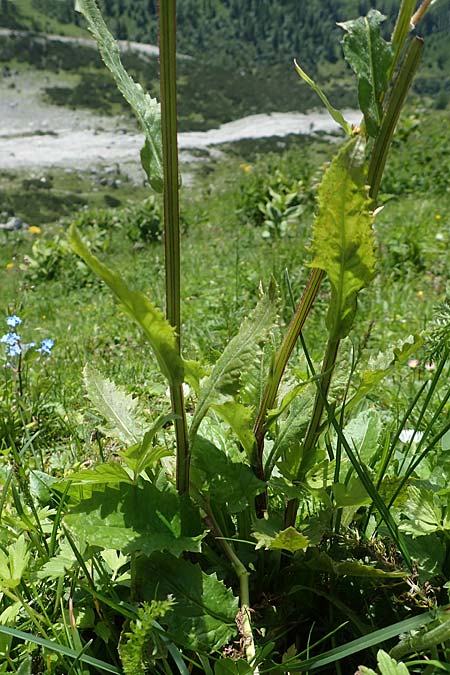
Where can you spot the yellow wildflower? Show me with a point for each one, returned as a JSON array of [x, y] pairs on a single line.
[[34, 229], [246, 168], [438, 216], [419, 294], [9, 266]]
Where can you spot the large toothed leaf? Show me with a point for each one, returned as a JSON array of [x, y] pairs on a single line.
[[370, 57], [335, 114], [240, 353], [158, 331], [203, 616], [343, 244], [120, 410], [137, 518], [146, 108]]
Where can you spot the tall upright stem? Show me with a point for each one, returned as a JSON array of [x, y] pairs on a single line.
[[167, 56]]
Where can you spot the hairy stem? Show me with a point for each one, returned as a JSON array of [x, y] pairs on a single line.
[[167, 56]]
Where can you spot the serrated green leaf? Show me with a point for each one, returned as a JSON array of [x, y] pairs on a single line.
[[226, 377], [343, 244], [125, 423], [232, 667], [370, 57], [335, 114], [389, 666], [59, 564], [147, 109], [289, 540], [226, 482], [203, 618], [382, 364], [137, 518], [102, 474], [158, 331], [240, 420], [13, 563], [425, 512]]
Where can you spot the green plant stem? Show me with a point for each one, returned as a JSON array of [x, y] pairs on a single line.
[[167, 56], [390, 119], [243, 619], [376, 166], [279, 366], [313, 431]]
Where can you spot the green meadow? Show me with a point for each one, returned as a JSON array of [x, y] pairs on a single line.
[[306, 526]]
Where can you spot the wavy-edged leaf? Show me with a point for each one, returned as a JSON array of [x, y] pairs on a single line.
[[335, 114], [119, 408], [343, 243], [203, 617], [386, 665], [226, 482], [352, 568], [146, 108], [289, 540], [158, 331], [137, 518], [370, 57], [226, 377]]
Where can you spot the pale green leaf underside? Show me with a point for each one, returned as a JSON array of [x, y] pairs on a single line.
[[203, 617], [335, 114], [226, 377], [343, 243], [146, 108], [115, 405], [158, 331], [370, 57]]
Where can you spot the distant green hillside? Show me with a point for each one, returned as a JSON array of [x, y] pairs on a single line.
[[253, 34], [261, 31]]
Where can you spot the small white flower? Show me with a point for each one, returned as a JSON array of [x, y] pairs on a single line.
[[408, 435], [440, 236], [186, 390]]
